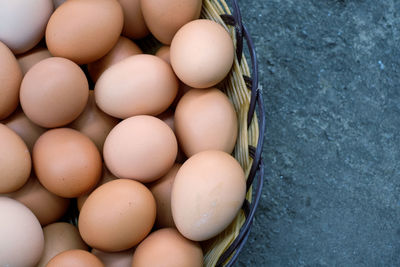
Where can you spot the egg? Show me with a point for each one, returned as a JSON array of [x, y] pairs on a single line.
[[29, 59], [46, 206], [142, 147], [117, 215], [66, 162], [207, 194], [22, 23], [22, 241], [134, 25], [163, 53], [60, 237], [167, 247], [137, 85], [205, 119], [164, 18], [115, 259], [84, 30], [76, 258], [161, 190], [123, 48], [24, 127], [15, 161], [10, 80], [202, 53], [54, 92], [94, 123]]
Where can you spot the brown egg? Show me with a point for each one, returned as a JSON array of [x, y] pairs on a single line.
[[24, 127], [202, 53], [21, 242], [115, 259], [142, 148], [134, 25], [161, 190], [10, 80], [167, 247], [164, 18], [94, 123], [138, 85], [106, 177], [163, 53], [84, 30], [75, 258], [46, 206], [205, 119], [207, 194], [54, 92], [60, 237], [117, 215], [15, 161], [30, 58], [67, 163], [123, 48]]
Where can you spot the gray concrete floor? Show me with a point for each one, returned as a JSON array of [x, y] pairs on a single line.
[[331, 82]]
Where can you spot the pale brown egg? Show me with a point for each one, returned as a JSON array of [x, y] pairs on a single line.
[[60, 237], [30, 58], [117, 215], [54, 92], [94, 123], [22, 241], [10, 81], [66, 162], [75, 258], [115, 259], [137, 85], [167, 247], [142, 148], [205, 119], [46, 206], [163, 53], [15, 161], [123, 48], [84, 30], [202, 53], [161, 190], [24, 127], [207, 194], [164, 18], [134, 25]]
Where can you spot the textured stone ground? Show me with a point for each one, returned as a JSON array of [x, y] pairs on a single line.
[[330, 74]]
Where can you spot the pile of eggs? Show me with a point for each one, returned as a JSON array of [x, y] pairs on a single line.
[[145, 154]]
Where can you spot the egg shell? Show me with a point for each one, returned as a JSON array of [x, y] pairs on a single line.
[[29, 59], [134, 25], [15, 161], [22, 241], [115, 259], [123, 48], [163, 53], [22, 23], [76, 258], [84, 30], [46, 206], [167, 247], [117, 215], [66, 162], [164, 18], [94, 123], [24, 127], [161, 190], [202, 53], [137, 85], [205, 119], [142, 148], [207, 194], [60, 237], [10, 81]]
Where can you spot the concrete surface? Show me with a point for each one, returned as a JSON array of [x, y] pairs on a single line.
[[330, 74]]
